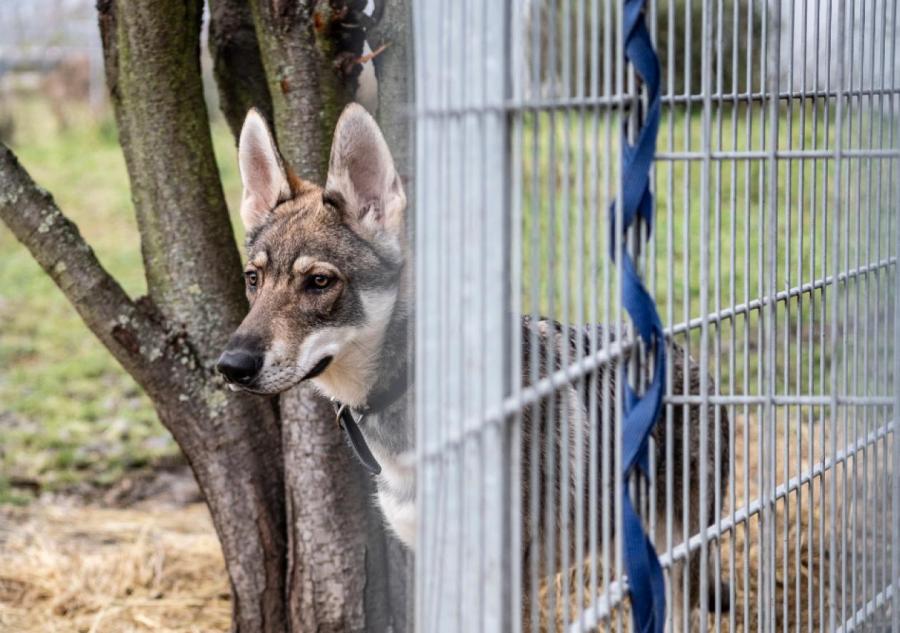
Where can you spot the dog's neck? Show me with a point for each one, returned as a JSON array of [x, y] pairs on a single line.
[[389, 424], [389, 434]]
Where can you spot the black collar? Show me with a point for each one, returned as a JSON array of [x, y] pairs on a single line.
[[349, 419], [350, 425]]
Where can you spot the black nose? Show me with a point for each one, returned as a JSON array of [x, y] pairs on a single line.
[[239, 365]]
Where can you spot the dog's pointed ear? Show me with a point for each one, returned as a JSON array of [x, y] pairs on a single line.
[[361, 174], [263, 174]]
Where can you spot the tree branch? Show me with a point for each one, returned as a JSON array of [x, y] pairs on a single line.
[[152, 59], [294, 70], [231, 440], [126, 328], [395, 73], [237, 64], [310, 51]]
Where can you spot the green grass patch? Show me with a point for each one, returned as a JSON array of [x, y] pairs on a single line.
[[68, 412], [717, 223]]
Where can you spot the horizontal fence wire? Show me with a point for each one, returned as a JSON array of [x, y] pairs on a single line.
[[625, 101], [773, 468]]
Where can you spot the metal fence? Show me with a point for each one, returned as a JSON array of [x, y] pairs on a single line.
[[772, 259]]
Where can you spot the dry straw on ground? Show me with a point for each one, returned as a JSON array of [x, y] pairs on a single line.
[[160, 569], [802, 536], [104, 570]]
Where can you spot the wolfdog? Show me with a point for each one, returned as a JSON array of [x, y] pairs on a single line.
[[330, 289]]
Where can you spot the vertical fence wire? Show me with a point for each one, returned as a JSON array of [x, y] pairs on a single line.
[[774, 474]]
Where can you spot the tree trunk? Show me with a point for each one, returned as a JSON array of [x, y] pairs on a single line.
[[310, 50], [304, 546], [394, 68], [151, 50]]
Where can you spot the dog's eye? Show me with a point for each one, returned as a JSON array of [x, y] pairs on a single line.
[[319, 282], [252, 278]]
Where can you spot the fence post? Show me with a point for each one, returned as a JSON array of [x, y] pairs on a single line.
[[895, 421], [461, 309]]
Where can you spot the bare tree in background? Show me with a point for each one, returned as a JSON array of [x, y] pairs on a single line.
[[304, 547]]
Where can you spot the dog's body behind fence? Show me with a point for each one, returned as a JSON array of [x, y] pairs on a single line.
[[557, 430]]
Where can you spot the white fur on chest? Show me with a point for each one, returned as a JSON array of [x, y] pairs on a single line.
[[397, 493]]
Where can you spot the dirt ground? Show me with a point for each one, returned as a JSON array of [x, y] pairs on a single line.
[[153, 565]]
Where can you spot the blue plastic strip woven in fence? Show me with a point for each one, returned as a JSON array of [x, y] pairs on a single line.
[[645, 577]]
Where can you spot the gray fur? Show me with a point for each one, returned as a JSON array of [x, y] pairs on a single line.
[[546, 431], [355, 227]]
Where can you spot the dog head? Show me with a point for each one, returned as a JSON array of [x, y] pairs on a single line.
[[324, 265]]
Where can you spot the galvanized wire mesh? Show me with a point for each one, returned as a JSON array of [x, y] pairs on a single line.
[[772, 260]]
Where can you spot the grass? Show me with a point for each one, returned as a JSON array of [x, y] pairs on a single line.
[[566, 249], [68, 413], [679, 206]]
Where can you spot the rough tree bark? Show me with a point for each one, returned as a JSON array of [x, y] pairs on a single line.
[[309, 50], [304, 548], [151, 51], [296, 41]]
